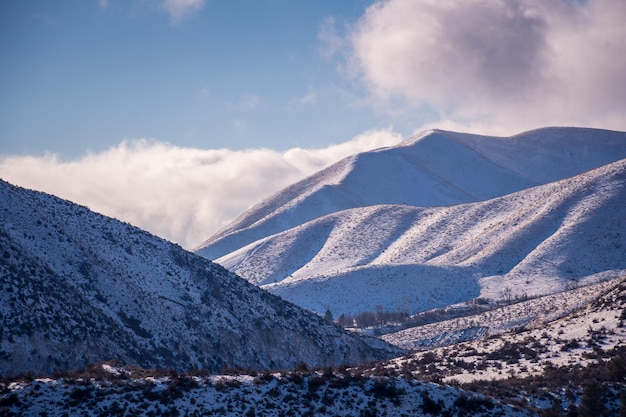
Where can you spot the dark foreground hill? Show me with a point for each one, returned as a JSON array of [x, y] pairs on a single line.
[[77, 287]]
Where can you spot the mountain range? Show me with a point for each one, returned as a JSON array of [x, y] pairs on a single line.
[[505, 256], [77, 288], [440, 219]]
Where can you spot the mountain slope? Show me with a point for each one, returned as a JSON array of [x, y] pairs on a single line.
[[436, 168], [77, 287], [553, 362], [530, 243], [589, 332]]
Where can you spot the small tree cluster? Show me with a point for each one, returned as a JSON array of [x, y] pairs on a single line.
[[373, 318]]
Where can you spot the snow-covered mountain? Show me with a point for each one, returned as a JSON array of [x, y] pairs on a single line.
[[516, 239], [533, 242], [77, 287], [435, 168]]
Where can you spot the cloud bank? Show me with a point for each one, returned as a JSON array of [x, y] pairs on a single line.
[[505, 64], [181, 194]]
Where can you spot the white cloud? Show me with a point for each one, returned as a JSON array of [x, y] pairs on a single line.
[[179, 9], [182, 194], [508, 64], [309, 98], [330, 40]]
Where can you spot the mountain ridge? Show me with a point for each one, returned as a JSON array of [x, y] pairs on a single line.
[[78, 287], [435, 168], [549, 236], [448, 244]]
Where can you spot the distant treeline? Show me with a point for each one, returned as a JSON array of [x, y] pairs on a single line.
[[373, 318], [401, 316]]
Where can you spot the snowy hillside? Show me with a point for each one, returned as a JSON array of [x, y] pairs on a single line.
[[571, 364], [436, 168], [77, 287], [530, 243], [433, 330]]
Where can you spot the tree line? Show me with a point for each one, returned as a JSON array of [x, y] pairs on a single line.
[[372, 318]]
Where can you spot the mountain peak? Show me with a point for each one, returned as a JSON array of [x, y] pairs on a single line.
[[434, 168], [445, 219]]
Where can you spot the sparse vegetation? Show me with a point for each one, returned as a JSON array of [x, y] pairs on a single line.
[[324, 392]]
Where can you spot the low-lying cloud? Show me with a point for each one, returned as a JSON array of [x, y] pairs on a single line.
[[512, 64], [181, 194]]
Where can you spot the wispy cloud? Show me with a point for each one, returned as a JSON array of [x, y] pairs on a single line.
[[246, 102], [309, 98], [331, 41], [516, 64], [179, 9], [182, 194]]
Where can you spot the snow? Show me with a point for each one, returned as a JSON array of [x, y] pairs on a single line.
[[498, 320], [440, 219], [111, 369], [518, 242], [77, 287], [434, 168], [533, 242], [564, 329], [294, 393]]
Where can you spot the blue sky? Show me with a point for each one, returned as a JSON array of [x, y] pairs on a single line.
[[177, 115], [82, 74]]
